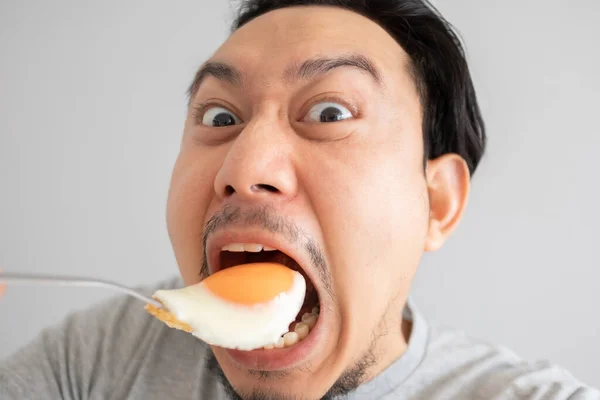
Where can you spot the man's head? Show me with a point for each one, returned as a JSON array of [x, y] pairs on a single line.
[[343, 133]]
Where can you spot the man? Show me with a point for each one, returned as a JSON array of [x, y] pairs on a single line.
[[344, 134]]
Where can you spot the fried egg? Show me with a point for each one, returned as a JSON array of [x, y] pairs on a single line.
[[245, 307]]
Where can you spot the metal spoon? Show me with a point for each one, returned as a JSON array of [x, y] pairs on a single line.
[[52, 280]]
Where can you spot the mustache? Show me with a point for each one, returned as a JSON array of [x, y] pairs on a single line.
[[266, 219]]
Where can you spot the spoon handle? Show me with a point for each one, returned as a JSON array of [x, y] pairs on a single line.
[[52, 280]]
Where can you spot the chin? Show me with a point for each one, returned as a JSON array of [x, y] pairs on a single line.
[[300, 371]]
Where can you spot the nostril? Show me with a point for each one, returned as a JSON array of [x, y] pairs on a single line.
[[229, 190], [263, 187]]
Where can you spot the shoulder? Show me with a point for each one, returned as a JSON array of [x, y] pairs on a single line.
[[460, 366], [111, 348], [119, 331]]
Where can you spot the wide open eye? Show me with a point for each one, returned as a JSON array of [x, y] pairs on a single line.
[[219, 116], [328, 112]]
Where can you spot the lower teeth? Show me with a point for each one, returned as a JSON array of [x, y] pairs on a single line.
[[310, 320], [290, 339], [301, 331]]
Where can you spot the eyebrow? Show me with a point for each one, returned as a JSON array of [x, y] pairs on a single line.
[[316, 67], [308, 69], [221, 71]]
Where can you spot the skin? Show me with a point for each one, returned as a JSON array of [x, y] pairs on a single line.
[[2, 286]]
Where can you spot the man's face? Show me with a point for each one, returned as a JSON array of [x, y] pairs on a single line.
[[331, 152]]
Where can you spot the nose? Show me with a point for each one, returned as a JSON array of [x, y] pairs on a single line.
[[258, 166]]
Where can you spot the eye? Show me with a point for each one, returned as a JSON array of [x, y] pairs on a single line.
[[328, 112], [219, 116]]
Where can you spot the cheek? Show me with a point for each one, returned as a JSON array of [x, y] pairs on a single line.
[[373, 212], [190, 194]]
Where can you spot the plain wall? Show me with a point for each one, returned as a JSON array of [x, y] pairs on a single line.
[[92, 103]]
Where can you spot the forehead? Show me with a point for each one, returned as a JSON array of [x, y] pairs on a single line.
[[266, 46]]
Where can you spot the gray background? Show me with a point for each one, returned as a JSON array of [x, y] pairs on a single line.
[[91, 111]]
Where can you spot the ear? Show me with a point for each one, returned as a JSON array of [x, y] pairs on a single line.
[[448, 183]]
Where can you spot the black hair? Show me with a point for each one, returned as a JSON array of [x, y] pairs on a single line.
[[452, 121]]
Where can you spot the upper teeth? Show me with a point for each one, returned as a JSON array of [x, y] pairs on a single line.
[[250, 247]]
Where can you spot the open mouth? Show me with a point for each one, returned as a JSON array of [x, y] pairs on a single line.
[[234, 254]]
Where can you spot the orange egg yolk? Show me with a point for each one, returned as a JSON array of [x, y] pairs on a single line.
[[251, 283]]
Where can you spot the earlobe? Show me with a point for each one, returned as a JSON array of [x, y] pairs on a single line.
[[448, 183]]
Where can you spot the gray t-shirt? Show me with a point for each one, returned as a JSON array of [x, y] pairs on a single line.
[[117, 351]]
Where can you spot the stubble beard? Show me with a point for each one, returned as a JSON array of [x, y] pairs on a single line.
[[351, 379]]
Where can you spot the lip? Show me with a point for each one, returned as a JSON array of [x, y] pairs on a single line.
[[219, 239], [279, 359]]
